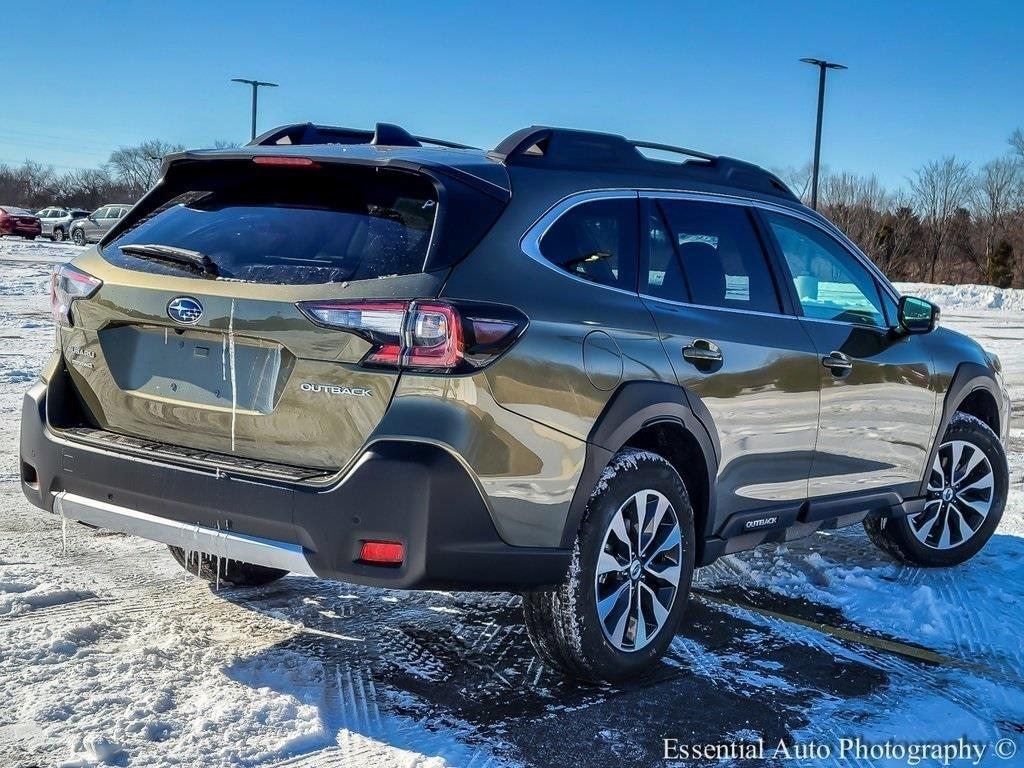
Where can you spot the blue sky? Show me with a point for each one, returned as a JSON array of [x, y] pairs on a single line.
[[926, 79]]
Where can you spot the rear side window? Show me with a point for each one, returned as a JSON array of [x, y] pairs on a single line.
[[295, 226], [723, 262], [596, 241], [664, 273]]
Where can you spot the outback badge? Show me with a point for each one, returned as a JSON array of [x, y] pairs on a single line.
[[330, 389]]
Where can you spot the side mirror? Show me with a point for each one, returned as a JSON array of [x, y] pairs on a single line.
[[917, 315]]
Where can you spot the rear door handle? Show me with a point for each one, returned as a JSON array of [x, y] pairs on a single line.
[[703, 351], [838, 363]]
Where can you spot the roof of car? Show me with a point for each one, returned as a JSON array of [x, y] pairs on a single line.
[[541, 148]]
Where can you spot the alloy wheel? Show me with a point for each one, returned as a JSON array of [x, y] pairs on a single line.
[[960, 493], [638, 570]]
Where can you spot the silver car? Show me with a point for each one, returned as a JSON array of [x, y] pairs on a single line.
[[93, 227], [56, 221]]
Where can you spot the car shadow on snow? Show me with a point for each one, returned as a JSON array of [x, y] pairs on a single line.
[[440, 673]]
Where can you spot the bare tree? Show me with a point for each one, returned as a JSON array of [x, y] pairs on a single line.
[[940, 189], [856, 204], [138, 168], [797, 179], [998, 196], [1017, 142], [896, 242]]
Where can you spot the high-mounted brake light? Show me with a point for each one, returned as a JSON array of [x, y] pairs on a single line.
[[66, 285], [303, 162], [430, 336]]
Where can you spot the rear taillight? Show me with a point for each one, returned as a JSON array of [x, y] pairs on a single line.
[[430, 336], [66, 285]]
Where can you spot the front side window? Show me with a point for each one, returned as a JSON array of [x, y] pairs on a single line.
[[722, 259], [596, 241], [100, 214], [830, 283]]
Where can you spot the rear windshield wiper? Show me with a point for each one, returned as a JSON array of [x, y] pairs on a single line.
[[190, 258]]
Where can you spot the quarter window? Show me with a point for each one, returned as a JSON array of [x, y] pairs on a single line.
[[722, 259], [596, 241], [830, 283]]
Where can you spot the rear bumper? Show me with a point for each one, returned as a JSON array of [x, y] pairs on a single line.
[[21, 230], [223, 543], [412, 492]]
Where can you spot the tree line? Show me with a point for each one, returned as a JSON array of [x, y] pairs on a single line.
[[950, 224], [124, 178]]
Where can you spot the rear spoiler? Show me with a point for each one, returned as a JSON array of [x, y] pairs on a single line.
[[384, 134]]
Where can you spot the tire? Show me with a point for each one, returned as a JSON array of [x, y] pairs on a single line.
[[30, 237], [232, 572], [78, 236], [59, 235], [566, 626], [966, 496]]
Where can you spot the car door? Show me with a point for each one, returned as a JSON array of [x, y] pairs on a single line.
[[113, 214], [94, 222], [46, 220], [745, 361], [878, 405]]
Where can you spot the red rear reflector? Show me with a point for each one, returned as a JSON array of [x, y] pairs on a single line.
[[382, 552], [279, 160]]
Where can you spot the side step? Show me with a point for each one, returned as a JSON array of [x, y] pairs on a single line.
[[220, 543]]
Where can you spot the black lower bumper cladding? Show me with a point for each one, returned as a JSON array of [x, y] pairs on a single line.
[[414, 493]]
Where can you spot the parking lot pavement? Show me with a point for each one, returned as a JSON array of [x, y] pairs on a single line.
[[109, 651]]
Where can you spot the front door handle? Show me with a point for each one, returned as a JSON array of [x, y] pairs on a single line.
[[703, 352], [838, 363]]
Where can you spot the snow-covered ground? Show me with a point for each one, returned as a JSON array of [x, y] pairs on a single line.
[[109, 653]]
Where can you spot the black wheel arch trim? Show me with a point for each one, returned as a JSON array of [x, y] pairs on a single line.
[[968, 379], [634, 406]]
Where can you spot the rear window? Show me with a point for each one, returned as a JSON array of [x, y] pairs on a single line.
[[295, 226], [16, 211]]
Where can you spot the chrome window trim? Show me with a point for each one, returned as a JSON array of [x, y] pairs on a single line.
[[756, 312], [530, 241], [812, 218]]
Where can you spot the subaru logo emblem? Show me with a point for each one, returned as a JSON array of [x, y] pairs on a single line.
[[185, 309]]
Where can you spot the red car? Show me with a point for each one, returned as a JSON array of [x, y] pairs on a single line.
[[18, 221]]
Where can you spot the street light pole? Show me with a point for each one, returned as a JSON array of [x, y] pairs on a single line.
[[822, 66], [256, 84]]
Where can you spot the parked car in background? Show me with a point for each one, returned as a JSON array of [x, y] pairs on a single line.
[[18, 221], [56, 221], [92, 228]]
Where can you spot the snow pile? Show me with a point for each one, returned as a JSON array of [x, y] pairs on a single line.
[[967, 298]]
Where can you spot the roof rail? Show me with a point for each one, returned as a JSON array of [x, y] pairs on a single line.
[[384, 134], [543, 146]]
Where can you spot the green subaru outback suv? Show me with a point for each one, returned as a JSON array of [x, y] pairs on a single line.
[[560, 367]]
